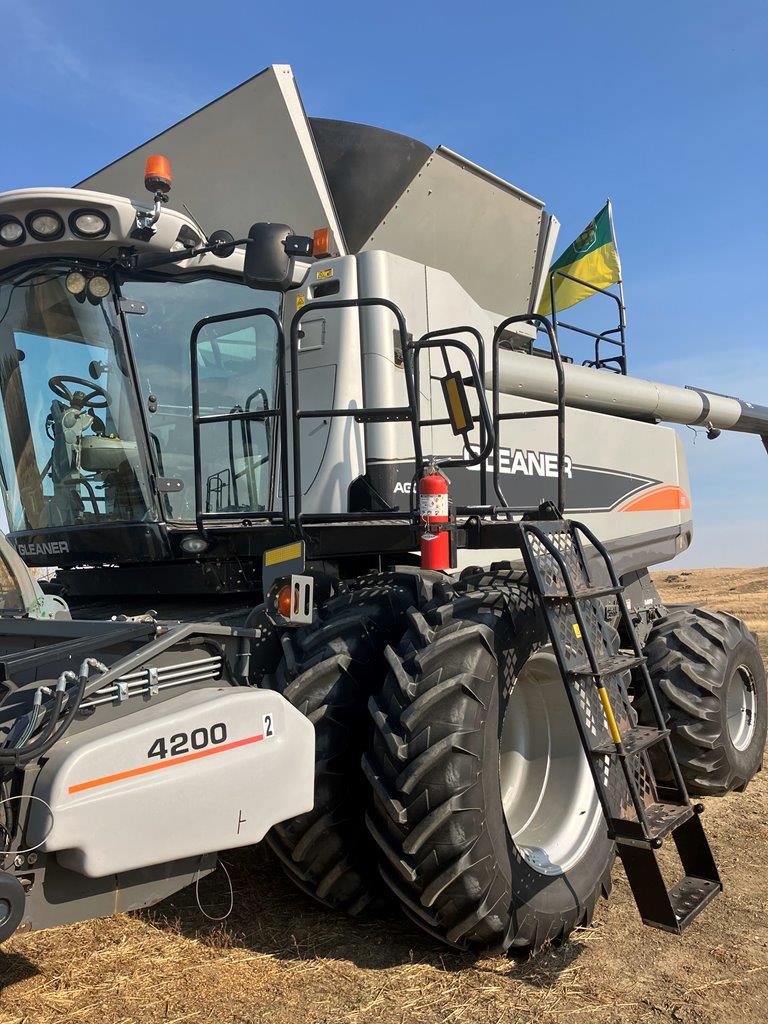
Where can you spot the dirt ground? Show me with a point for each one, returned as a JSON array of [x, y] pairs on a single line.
[[280, 959]]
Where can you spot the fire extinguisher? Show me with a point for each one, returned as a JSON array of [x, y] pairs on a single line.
[[433, 510]]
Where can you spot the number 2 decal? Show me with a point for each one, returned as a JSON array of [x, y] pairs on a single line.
[[269, 726]]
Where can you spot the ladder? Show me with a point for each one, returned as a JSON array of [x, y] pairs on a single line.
[[641, 810]]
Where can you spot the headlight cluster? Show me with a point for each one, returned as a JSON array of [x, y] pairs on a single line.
[[97, 286], [48, 225]]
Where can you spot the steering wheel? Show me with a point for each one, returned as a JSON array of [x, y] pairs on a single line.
[[90, 391]]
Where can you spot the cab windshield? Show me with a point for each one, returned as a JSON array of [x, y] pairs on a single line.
[[237, 372], [68, 438]]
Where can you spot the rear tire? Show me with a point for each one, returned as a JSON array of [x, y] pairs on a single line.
[[436, 768], [328, 671], [710, 681]]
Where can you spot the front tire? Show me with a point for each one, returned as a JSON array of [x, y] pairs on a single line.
[[328, 671], [710, 680], [473, 866]]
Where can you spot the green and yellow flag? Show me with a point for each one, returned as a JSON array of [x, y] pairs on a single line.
[[593, 257]]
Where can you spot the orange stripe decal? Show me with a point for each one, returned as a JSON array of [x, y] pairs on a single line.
[[144, 769], [666, 498]]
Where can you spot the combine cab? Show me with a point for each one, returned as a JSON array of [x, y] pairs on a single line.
[[346, 545]]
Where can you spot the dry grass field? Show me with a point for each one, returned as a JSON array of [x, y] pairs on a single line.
[[279, 959]]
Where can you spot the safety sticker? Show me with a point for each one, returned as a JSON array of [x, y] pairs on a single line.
[[577, 630], [301, 300], [323, 275], [432, 505]]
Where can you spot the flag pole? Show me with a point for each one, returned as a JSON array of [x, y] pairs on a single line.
[[623, 308]]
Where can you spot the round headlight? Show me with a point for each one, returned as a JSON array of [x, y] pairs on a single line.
[[45, 225], [98, 287], [11, 231], [88, 224], [76, 282], [193, 544]]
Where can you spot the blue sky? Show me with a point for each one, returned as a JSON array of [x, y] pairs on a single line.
[[662, 106]]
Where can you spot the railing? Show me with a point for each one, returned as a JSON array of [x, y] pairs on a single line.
[[246, 416], [484, 421], [386, 414], [488, 422], [527, 414], [616, 363]]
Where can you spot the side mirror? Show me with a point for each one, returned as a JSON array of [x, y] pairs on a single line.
[[267, 264]]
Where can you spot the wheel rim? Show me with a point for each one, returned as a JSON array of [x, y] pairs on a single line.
[[550, 803], [740, 708], [5, 911]]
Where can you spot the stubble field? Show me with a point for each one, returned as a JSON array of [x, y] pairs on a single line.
[[280, 959]]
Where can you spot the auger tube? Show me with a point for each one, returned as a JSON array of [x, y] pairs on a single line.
[[631, 397]]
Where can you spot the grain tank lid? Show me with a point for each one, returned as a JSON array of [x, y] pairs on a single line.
[[495, 239], [253, 155], [367, 170], [248, 156]]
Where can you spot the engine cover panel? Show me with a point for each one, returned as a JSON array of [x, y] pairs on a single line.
[[206, 771]]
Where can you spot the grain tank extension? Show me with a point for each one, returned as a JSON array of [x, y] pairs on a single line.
[[349, 552]]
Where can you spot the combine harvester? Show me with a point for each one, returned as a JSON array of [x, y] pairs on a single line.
[[252, 435]]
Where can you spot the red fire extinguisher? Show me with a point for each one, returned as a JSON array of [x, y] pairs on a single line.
[[433, 509]]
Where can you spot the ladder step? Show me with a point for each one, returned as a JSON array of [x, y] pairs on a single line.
[[633, 741], [640, 808], [582, 593], [610, 667], [689, 897], [662, 819]]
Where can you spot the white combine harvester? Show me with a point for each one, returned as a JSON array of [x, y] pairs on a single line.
[[250, 432]]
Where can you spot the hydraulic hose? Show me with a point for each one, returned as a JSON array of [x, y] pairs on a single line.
[[17, 756]]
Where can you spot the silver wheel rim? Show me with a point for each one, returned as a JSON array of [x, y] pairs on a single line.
[[740, 708], [548, 794]]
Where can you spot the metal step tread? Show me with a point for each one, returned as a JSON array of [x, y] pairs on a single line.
[[633, 741], [609, 667], [662, 819], [581, 593], [688, 898]]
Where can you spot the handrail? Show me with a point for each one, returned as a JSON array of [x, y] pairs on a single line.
[[621, 342], [475, 333], [407, 413], [485, 421], [246, 416], [559, 411]]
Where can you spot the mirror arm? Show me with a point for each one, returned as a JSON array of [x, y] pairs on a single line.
[[144, 261]]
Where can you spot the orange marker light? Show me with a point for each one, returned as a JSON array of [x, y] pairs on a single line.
[[321, 242], [157, 174], [284, 601]]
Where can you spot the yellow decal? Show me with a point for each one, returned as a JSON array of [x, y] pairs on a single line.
[[456, 410], [577, 631], [301, 300], [284, 554], [323, 275]]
